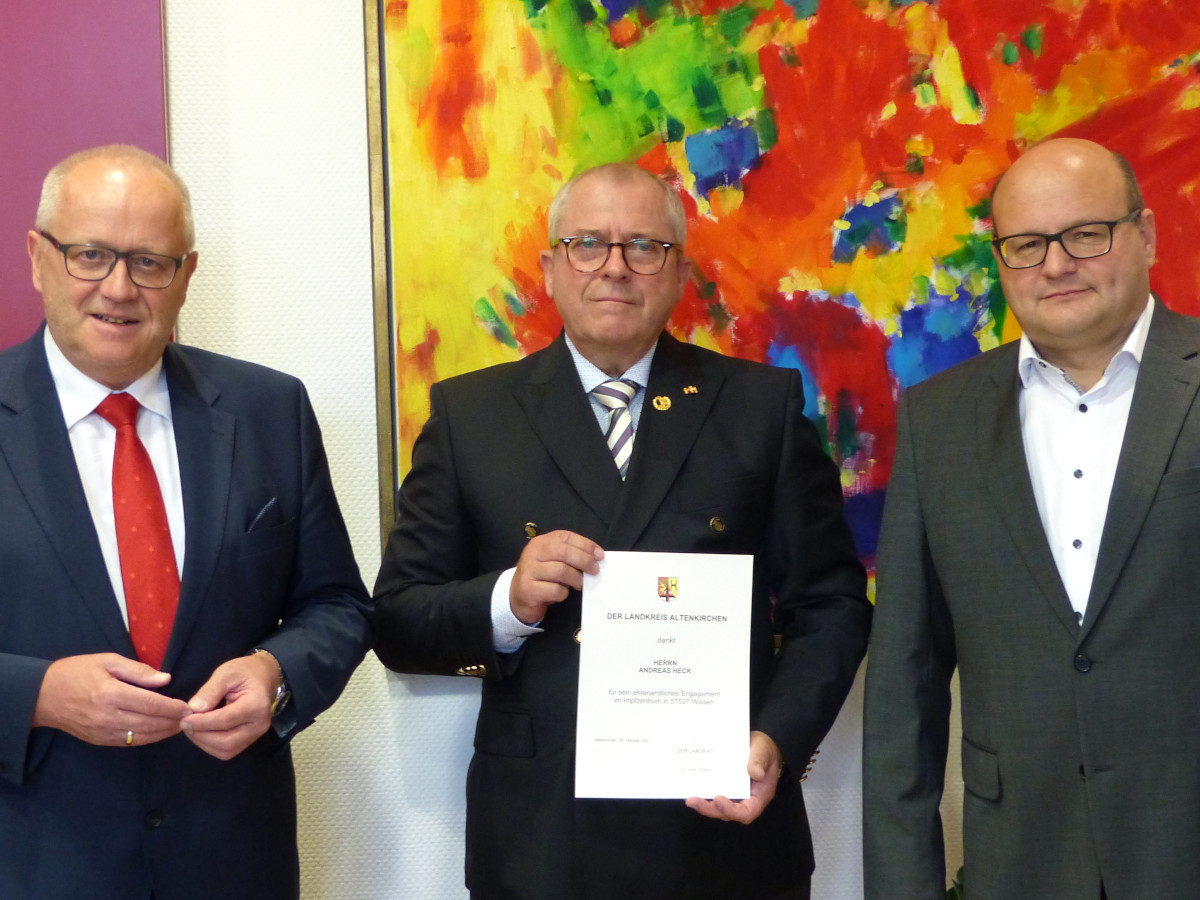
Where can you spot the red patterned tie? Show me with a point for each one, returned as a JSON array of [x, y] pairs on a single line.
[[148, 568]]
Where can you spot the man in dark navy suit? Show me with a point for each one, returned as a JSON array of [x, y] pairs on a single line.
[[136, 766]]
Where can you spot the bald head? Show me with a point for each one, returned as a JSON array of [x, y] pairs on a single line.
[[113, 157], [1066, 154]]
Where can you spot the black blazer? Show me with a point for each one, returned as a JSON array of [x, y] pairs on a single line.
[[101, 822], [518, 445]]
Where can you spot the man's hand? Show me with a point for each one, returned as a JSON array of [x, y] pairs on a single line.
[[549, 566], [765, 764], [101, 697], [232, 709]]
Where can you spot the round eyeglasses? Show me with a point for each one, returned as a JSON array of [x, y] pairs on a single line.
[[88, 262], [1024, 251], [643, 256]]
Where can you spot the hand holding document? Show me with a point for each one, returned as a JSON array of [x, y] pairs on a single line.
[[664, 677]]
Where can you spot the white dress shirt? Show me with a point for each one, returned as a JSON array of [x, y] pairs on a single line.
[[94, 441], [1072, 443], [509, 632]]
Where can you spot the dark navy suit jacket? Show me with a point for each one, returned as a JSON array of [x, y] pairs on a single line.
[[78, 820]]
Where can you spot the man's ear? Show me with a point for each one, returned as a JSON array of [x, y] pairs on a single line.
[[32, 241], [546, 260]]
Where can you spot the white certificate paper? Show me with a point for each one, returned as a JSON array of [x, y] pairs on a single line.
[[664, 677]]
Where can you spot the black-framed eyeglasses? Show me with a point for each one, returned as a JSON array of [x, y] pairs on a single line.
[[1024, 251], [87, 262], [643, 256]]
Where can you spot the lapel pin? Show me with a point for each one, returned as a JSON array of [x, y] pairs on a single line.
[[661, 403], [691, 389]]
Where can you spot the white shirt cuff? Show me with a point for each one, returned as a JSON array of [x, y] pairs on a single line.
[[508, 632]]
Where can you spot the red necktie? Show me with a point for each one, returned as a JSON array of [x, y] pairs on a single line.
[[148, 568]]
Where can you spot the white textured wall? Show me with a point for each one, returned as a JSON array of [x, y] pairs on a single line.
[[267, 111]]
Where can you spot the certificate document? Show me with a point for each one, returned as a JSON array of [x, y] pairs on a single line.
[[664, 677]]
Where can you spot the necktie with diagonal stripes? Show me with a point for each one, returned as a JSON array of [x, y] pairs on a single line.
[[615, 396]]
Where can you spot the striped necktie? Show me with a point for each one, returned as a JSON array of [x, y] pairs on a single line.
[[615, 397]]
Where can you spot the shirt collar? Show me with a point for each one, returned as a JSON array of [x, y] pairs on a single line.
[[79, 395], [1132, 349], [591, 377]]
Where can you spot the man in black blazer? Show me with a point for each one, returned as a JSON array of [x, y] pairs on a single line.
[[1040, 534], [121, 778], [512, 495]]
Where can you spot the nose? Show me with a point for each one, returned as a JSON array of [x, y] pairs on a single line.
[[614, 266], [1058, 260], [118, 285]]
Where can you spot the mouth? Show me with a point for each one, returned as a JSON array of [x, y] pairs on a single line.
[[1065, 294], [113, 320]]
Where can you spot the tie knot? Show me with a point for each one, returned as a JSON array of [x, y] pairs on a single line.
[[615, 394], [119, 409]]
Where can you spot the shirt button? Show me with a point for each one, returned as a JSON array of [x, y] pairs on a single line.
[[1083, 407], [1082, 664], [1077, 543], [1078, 473]]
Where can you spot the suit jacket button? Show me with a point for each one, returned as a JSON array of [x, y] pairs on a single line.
[[153, 819], [578, 635], [717, 524], [531, 530], [479, 670], [1082, 663]]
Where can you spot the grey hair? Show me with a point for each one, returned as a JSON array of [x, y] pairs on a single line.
[[52, 185], [624, 173]]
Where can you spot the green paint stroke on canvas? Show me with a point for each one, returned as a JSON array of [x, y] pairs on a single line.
[[486, 314], [683, 75]]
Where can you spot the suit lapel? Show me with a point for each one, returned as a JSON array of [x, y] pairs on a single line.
[[1006, 473], [670, 421], [204, 440], [1166, 388], [561, 416], [35, 446]]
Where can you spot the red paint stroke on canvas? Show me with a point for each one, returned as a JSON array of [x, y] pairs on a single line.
[[455, 87]]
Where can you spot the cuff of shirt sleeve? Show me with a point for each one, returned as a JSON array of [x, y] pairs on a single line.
[[508, 632]]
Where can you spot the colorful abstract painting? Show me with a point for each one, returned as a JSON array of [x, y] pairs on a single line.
[[835, 158]]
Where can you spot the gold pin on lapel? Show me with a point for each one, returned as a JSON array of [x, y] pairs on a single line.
[[691, 389], [661, 403]]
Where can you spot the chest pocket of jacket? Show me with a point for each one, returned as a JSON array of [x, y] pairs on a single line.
[[980, 771], [1178, 483]]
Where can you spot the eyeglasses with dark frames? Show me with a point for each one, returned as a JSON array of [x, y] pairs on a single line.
[[1024, 251], [643, 256], [87, 262]]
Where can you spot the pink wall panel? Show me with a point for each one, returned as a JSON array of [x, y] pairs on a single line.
[[72, 75]]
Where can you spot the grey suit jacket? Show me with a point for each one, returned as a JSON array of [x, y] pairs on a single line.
[[267, 564], [518, 444], [1081, 742]]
